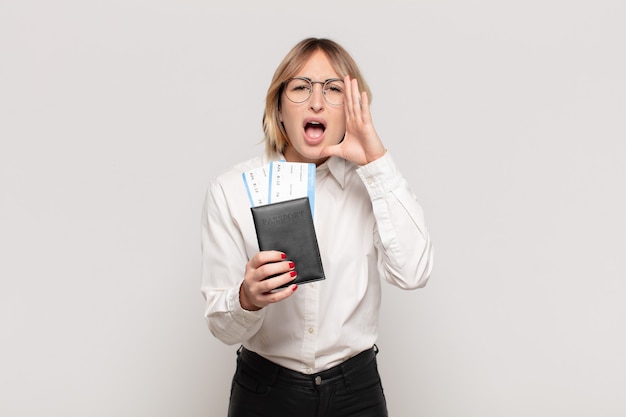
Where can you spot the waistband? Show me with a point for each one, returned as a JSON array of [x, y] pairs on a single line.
[[345, 369]]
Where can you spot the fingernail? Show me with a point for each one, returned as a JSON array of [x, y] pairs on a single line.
[[291, 265], [295, 287], [293, 273], [284, 256]]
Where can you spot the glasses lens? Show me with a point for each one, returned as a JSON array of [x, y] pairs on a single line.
[[298, 90], [333, 91]]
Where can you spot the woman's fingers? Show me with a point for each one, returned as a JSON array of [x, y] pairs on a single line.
[[265, 273]]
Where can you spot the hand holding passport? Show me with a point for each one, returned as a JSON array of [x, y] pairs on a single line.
[[284, 220], [287, 226]]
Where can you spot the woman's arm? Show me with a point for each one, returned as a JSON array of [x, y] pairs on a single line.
[[223, 267], [404, 246]]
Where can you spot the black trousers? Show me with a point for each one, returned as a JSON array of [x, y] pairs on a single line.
[[260, 388]]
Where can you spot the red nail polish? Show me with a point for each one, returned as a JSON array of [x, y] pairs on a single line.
[[293, 273], [291, 265], [295, 287], [283, 256]]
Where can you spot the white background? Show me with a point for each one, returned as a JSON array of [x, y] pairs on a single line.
[[508, 118]]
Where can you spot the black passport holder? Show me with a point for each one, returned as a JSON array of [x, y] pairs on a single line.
[[288, 227]]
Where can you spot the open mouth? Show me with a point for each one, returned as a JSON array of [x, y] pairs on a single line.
[[314, 129]]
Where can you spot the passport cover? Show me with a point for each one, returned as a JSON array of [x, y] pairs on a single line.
[[288, 227]]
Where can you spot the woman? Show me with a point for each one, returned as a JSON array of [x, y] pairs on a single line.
[[310, 350]]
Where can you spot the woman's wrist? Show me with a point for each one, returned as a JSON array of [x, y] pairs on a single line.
[[245, 302]]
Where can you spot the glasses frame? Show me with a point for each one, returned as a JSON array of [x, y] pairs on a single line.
[[311, 83]]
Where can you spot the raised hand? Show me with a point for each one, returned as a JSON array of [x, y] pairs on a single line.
[[361, 143]]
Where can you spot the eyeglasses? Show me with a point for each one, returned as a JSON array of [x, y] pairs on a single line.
[[299, 89]]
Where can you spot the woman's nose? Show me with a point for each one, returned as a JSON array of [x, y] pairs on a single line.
[[317, 97]]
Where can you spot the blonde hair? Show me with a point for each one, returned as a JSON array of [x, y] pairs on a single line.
[[275, 135]]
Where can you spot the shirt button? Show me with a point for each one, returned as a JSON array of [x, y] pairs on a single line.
[[311, 330], [318, 380], [308, 370]]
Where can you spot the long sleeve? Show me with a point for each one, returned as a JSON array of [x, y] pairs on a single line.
[[368, 225], [223, 266], [405, 249]]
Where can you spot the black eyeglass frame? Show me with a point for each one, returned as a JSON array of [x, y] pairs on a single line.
[[311, 82]]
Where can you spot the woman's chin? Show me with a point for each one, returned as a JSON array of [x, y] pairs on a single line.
[[309, 155]]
